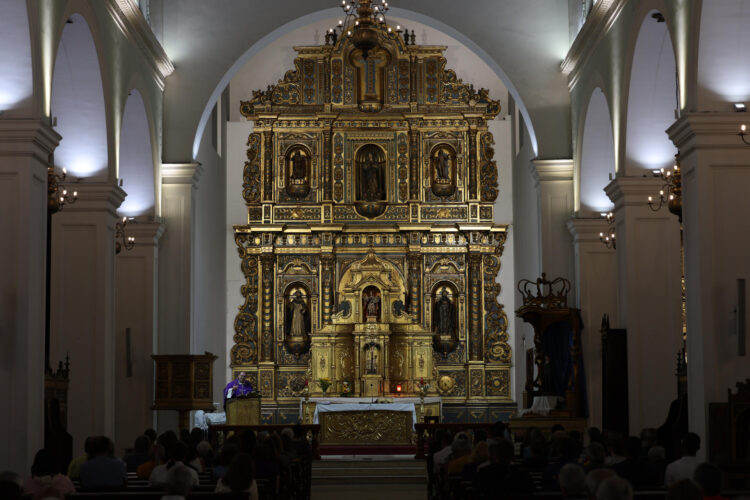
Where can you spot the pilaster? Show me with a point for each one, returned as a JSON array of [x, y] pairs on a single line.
[[649, 297], [553, 180], [83, 306], [596, 294], [25, 146], [715, 167], [136, 330]]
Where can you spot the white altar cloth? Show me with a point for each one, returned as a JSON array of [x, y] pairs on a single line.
[[353, 400], [341, 407], [204, 419]]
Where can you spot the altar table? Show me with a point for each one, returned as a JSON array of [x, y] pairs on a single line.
[[433, 406]]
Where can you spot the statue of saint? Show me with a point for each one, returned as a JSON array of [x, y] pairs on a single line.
[[372, 189], [443, 166], [297, 317], [443, 319], [299, 166], [372, 305], [372, 360]]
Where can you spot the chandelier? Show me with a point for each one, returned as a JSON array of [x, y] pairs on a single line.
[[57, 194], [362, 22], [608, 238], [128, 242], [670, 192]]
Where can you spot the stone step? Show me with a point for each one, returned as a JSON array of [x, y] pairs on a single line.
[[343, 472]]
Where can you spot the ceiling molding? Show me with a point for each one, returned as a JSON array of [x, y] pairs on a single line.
[[133, 25], [598, 23]]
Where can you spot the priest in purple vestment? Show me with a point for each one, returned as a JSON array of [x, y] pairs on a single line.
[[239, 387]]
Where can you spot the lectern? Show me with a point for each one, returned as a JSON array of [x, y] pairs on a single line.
[[184, 382], [244, 410]]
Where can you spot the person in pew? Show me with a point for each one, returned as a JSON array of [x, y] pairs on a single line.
[[638, 472], [480, 456], [594, 479], [708, 477], [501, 479], [684, 489], [139, 455], [10, 485], [74, 468], [45, 474], [684, 468], [204, 457], [461, 453], [176, 458], [614, 488], [300, 444], [157, 456], [562, 451], [593, 457], [103, 472], [150, 434], [572, 480], [267, 466], [179, 483], [239, 478], [228, 451]]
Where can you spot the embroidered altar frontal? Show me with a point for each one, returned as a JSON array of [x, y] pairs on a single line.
[[370, 250]]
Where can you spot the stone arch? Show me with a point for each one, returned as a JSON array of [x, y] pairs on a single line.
[[136, 165], [652, 99], [597, 160], [723, 67], [77, 103], [16, 79]]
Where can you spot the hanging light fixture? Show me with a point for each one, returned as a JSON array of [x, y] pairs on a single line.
[[128, 242], [57, 194], [362, 22], [670, 192]]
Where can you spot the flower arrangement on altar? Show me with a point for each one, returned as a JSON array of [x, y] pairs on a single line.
[[422, 387], [324, 384]]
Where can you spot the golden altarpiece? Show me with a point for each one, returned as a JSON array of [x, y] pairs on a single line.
[[370, 252]]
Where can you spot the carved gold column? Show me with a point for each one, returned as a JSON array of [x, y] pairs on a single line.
[[327, 261], [268, 166], [266, 348], [327, 168], [413, 164], [473, 160], [415, 278], [475, 307]]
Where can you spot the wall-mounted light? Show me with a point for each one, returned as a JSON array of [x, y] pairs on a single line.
[[398, 388], [128, 242], [608, 238], [740, 107]]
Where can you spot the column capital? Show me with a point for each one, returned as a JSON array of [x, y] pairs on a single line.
[[587, 230], [96, 197], [28, 137], [708, 131], [633, 191], [551, 170], [146, 233], [181, 173]]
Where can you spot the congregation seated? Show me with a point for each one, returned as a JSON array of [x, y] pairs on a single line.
[[501, 478], [157, 455], [572, 481], [240, 477], [102, 471], [176, 457], [684, 467], [45, 475], [140, 454], [179, 483]]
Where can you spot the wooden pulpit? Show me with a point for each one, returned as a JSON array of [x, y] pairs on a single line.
[[244, 410], [184, 382]]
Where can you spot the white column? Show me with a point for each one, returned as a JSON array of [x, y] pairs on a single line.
[[136, 284], [176, 254], [595, 295], [24, 149], [83, 306], [554, 184], [649, 297], [715, 168]]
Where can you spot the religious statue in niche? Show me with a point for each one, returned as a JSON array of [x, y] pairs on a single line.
[[371, 180], [298, 172], [372, 359], [371, 304], [443, 161], [297, 316], [444, 313]]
